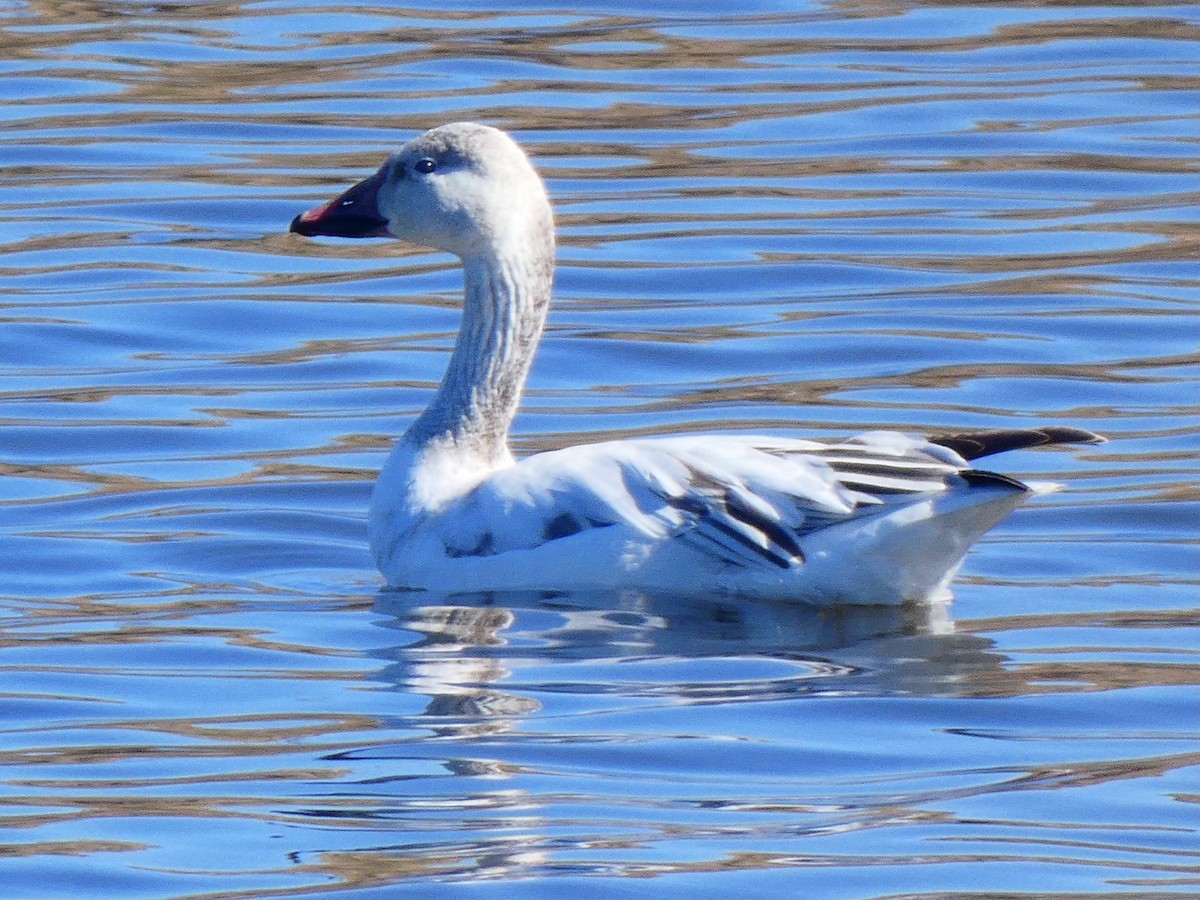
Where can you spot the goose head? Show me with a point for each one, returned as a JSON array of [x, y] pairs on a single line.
[[465, 188]]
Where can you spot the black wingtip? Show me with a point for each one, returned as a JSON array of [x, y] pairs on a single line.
[[982, 478], [973, 445], [1064, 435]]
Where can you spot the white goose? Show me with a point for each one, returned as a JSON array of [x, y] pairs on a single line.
[[882, 518]]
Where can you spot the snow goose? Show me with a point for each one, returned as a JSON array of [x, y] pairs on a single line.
[[882, 518]]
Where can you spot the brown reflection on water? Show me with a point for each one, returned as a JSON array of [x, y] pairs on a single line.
[[817, 392], [1175, 245], [108, 485], [640, 849], [648, 47], [484, 859], [132, 635], [1031, 679], [67, 848], [127, 803]]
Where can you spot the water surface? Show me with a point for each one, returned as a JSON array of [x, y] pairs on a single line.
[[793, 218]]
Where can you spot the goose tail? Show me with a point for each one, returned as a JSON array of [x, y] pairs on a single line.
[[911, 553]]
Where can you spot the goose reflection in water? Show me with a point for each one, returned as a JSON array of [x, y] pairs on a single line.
[[483, 660]]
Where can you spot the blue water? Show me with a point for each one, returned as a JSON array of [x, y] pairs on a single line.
[[796, 218]]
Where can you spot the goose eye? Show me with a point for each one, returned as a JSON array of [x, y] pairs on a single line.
[[424, 166]]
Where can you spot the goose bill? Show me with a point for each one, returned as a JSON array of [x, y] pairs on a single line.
[[353, 214]]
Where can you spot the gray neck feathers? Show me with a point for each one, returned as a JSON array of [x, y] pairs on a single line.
[[507, 294]]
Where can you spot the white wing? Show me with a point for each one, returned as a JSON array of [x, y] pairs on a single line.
[[747, 501]]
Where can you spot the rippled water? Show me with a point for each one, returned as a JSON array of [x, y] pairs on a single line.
[[793, 217]]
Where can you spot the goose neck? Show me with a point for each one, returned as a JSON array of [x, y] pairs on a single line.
[[506, 297]]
